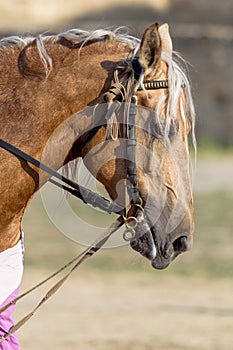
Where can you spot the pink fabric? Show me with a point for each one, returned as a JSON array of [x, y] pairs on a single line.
[[6, 323], [11, 270]]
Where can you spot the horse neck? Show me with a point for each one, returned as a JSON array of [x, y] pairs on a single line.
[[37, 105], [33, 107]]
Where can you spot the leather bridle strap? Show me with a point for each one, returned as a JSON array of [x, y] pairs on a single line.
[[154, 85], [133, 188], [86, 195]]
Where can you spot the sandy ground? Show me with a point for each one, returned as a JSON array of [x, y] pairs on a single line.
[[134, 312]]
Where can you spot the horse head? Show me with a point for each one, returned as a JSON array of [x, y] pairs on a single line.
[[69, 78], [163, 122]]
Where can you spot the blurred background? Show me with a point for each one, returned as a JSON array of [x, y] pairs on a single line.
[[116, 300], [202, 31]]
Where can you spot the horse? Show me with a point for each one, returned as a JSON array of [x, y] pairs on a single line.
[[49, 81]]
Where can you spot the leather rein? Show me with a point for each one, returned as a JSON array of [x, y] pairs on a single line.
[[87, 196]]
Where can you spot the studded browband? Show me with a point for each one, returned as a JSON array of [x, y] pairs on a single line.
[[154, 84]]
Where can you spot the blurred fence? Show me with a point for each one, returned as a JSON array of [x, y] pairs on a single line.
[[202, 32], [208, 31]]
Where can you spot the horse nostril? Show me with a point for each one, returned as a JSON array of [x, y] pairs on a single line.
[[181, 244]]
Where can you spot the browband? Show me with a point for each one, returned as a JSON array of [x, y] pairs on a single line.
[[154, 84], [147, 84]]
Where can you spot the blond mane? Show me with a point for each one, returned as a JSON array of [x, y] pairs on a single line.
[[177, 77], [75, 36]]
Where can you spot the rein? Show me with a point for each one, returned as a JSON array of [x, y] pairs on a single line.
[[86, 195], [78, 260], [115, 94]]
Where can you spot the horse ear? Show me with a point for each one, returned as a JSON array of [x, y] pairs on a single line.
[[166, 40], [150, 48]]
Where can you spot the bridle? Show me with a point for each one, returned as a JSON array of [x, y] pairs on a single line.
[[132, 179], [87, 196]]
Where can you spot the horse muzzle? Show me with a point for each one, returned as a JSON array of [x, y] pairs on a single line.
[[160, 250], [165, 255]]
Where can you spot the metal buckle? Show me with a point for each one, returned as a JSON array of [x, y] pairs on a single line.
[[131, 222]]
